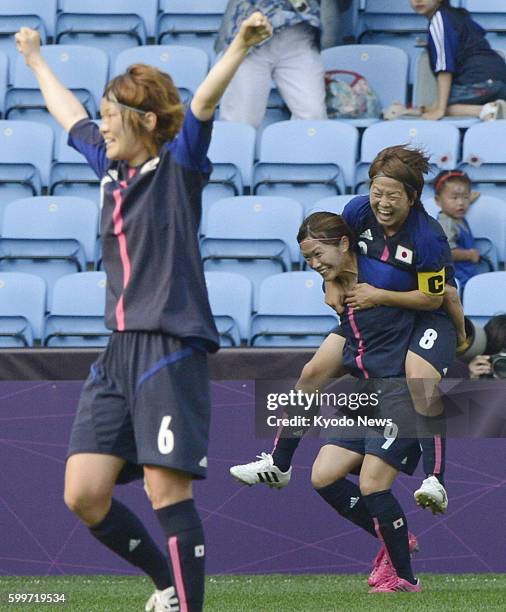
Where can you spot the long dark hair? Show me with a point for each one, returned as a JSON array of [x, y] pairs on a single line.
[[326, 227], [447, 5]]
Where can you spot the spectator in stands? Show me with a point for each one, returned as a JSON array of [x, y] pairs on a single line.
[[454, 195], [491, 364], [471, 77], [290, 58], [332, 22]]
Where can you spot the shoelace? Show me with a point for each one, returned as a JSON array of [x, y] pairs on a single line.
[[262, 457]]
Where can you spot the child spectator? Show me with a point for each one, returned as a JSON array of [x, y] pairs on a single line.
[[453, 195], [471, 77]]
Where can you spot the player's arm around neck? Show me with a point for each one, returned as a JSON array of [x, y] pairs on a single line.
[[255, 29], [60, 101]]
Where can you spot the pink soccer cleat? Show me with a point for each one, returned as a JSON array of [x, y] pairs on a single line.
[[382, 568], [395, 585]]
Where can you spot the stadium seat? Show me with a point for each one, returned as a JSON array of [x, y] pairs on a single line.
[[4, 73], [15, 14], [251, 235], [306, 160], [81, 69], [112, 25], [484, 156], [26, 151], [291, 311], [490, 14], [71, 175], [232, 152], [76, 317], [22, 307], [193, 23], [385, 68], [389, 16], [440, 140], [487, 220], [231, 299], [333, 204], [187, 66], [48, 236], [484, 296]]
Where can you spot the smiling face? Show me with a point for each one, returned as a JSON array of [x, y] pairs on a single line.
[[454, 198], [329, 260], [390, 203], [120, 140], [425, 7]]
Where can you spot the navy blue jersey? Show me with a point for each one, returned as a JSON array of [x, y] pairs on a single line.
[[149, 229], [413, 258], [457, 44]]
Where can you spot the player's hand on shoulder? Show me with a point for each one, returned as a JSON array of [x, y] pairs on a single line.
[[255, 29], [28, 43], [362, 296]]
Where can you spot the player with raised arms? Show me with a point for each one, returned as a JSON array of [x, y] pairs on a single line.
[[145, 408], [405, 262]]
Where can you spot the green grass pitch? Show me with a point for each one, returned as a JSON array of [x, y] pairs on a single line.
[[272, 593]]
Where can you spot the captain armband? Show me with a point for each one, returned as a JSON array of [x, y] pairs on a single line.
[[432, 283]]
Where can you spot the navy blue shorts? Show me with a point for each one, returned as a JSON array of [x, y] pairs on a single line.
[[147, 401], [394, 442], [477, 93], [434, 338]]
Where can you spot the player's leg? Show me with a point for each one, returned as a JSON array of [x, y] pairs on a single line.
[[107, 519], [376, 479], [328, 478], [275, 469], [432, 350]]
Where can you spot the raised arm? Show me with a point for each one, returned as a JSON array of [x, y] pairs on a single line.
[[255, 29], [60, 101]]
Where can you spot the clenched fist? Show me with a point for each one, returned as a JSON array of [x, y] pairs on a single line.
[[28, 43]]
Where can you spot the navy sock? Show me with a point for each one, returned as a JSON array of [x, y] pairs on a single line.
[[185, 540], [392, 528], [345, 497], [123, 533], [283, 452], [431, 436]]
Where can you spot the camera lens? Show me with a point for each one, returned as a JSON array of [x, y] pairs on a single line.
[[498, 363]]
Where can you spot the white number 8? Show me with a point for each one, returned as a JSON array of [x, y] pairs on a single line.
[[428, 339], [165, 436]]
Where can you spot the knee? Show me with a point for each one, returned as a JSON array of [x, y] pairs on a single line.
[[310, 372], [89, 506], [368, 485], [322, 477]]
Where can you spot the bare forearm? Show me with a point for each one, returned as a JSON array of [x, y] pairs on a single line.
[[60, 101], [444, 84], [412, 300], [453, 306]]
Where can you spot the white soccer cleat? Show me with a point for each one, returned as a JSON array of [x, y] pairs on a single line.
[[262, 471], [163, 601], [432, 495]]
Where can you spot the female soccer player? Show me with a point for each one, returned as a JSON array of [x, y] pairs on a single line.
[[404, 260], [145, 406]]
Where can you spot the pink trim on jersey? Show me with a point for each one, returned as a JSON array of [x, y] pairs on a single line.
[[361, 345], [178, 573], [438, 454], [386, 254], [125, 260]]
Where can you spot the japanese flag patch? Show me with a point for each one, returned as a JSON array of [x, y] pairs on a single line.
[[404, 254]]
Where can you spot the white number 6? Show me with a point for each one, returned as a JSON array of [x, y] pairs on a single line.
[[165, 436]]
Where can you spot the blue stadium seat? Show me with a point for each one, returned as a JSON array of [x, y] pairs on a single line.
[[26, 151], [334, 204], [232, 151], [14, 14], [48, 236], [231, 299], [385, 68], [71, 175], [112, 25], [306, 160], [251, 235], [440, 140], [484, 296], [76, 317], [291, 311], [484, 156], [389, 16], [490, 14], [4, 73], [487, 220], [187, 66], [81, 69], [193, 23], [22, 308]]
